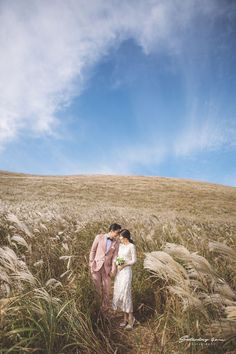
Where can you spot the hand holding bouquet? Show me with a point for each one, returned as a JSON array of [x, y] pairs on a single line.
[[120, 261]]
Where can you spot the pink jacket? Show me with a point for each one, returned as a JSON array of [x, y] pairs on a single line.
[[98, 255]]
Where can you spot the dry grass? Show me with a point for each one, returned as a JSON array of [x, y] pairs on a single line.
[[184, 281]]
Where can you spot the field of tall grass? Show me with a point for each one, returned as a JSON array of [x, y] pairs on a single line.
[[184, 282]]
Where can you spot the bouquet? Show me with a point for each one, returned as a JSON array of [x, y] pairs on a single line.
[[120, 261]]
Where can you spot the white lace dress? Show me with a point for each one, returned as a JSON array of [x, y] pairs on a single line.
[[122, 297]]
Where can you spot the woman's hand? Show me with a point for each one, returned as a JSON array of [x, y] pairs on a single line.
[[120, 267]]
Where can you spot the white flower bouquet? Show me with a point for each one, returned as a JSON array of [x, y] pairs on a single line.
[[119, 261]]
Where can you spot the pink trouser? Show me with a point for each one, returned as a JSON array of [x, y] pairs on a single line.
[[102, 282]]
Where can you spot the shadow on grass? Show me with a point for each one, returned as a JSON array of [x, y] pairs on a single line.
[[144, 294]]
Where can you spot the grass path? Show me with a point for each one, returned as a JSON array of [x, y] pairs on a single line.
[[139, 340]]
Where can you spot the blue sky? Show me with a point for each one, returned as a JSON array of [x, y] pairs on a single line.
[[127, 88]]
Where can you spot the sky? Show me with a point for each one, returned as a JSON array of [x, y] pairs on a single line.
[[134, 87]]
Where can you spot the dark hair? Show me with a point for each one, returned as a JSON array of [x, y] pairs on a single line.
[[114, 227], [126, 234]]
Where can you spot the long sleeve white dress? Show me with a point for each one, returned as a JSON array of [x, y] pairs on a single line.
[[122, 298]]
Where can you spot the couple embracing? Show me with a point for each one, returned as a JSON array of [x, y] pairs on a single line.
[[112, 255]]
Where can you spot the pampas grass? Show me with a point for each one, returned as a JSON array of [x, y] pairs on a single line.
[[163, 264], [14, 272], [219, 296]]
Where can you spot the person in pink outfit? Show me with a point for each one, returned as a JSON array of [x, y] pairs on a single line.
[[102, 262]]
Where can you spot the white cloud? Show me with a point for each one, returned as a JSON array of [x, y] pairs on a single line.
[[49, 47], [204, 130], [122, 161], [198, 137], [131, 158]]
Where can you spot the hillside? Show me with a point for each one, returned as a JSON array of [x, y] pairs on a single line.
[[184, 282], [150, 194]]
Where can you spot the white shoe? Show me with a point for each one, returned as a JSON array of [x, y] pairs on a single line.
[[130, 326], [123, 324]]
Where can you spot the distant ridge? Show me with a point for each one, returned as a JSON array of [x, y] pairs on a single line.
[[105, 176], [157, 195], [3, 172]]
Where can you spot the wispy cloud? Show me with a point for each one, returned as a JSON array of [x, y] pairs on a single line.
[[49, 47], [126, 160], [199, 137], [136, 157]]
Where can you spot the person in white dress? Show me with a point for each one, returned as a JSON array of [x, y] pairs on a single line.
[[122, 294]]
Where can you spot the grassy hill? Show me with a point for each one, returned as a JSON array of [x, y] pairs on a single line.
[[49, 223], [149, 194]]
